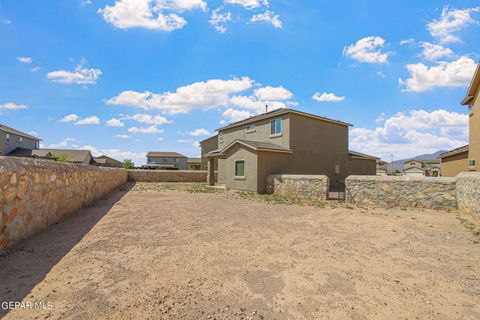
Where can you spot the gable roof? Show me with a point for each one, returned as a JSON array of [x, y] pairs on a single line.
[[473, 88], [209, 138], [355, 154], [71, 155], [24, 152], [104, 159], [165, 154], [276, 113], [414, 168], [454, 151], [194, 160], [18, 133], [255, 145]]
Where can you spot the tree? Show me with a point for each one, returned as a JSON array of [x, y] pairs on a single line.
[[59, 158], [128, 164]]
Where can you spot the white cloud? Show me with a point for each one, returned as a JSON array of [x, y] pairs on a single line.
[[184, 141], [273, 93], [150, 14], [433, 52], [219, 20], [122, 136], [412, 133], [199, 132], [450, 22], [114, 123], [407, 41], [381, 74], [199, 95], [248, 4], [36, 69], [148, 119], [33, 133], [368, 50], [70, 118], [80, 75], [327, 97], [64, 143], [456, 73], [234, 115], [268, 17], [12, 106], [25, 59], [150, 129], [92, 120], [137, 157], [196, 144], [259, 106]]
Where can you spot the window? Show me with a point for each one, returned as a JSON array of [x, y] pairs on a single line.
[[19, 139], [251, 128], [472, 163], [220, 137], [337, 167], [275, 127], [239, 168], [7, 138]]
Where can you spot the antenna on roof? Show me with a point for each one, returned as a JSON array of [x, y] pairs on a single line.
[[266, 108]]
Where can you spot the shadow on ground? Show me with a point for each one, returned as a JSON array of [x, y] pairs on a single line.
[[26, 263]]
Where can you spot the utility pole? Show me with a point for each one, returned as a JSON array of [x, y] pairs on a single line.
[[391, 163]]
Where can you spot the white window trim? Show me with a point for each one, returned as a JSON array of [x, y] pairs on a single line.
[[220, 137], [470, 167], [274, 135], [251, 130], [235, 167], [7, 138]]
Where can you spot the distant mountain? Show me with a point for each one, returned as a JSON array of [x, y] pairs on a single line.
[[398, 164]]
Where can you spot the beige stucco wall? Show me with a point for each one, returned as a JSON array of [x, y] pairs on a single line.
[[474, 144], [317, 145], [358, 166], [453, 165], [207, 146], [37, 193], [240, 153], [271, 163], [5, 148], [262, 133]]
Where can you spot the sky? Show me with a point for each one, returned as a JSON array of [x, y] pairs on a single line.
[[126, 77]]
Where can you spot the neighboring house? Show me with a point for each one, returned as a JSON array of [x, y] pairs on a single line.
[[73, 156], [11, 139], [466, 158], [361, 164], [166, 160], [207, 146], [414, 171], [283, 141], [194, 164], [381, 168], [431, 168], [104, 161]]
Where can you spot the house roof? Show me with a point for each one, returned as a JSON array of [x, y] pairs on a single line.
[[255, 145], [356, 154], [414, 168], [103, 159], [22, 152], [209, 138], [454, 152], [276, 113], [473, 88], [194, 160], [423, 161], [71, 155], [18, 133], [165, 154]]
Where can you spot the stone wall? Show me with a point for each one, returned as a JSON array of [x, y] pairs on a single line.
[[37, 193], [304, 186], [468, 192], [405, 191], [167, 175]]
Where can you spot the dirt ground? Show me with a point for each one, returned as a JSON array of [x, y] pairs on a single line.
[[164, 254]]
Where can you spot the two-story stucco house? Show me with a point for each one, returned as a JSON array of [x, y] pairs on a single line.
[[284, 141], [467, 158], [12, 140], [166, 160]]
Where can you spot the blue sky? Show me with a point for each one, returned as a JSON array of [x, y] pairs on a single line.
[[129, 76]]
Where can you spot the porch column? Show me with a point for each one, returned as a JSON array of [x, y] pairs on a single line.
[[211, 171]]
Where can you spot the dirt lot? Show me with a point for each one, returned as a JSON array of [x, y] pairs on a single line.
[[149, 253]]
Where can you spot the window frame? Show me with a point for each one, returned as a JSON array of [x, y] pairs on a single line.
[[247, 130], [7, 138], [235, 169], [19, 139], [220, 137], [472, 164], [273, 124]]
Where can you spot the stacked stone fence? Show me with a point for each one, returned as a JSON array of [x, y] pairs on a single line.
[[37, 193], [468, 192], [167, 175], [304, 186]]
